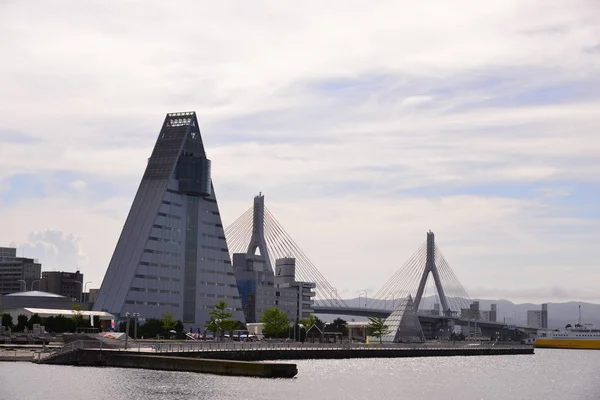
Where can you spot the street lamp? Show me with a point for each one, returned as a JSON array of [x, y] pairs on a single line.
[[32, 282], [359, 296], [25, 283], [300, 327], [84, 291], [80, 284], [135, 326], [126, 329]]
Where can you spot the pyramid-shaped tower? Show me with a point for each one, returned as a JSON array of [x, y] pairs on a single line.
[[172, 255], [404, 324]]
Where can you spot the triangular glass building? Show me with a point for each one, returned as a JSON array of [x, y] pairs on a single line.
[[404, 324], [172, 255]]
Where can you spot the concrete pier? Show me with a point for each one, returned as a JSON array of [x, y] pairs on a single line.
[[16, 355], [323, 354], [100, 358]]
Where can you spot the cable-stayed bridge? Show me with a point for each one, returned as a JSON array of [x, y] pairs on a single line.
[[426, 274], [258, 226]]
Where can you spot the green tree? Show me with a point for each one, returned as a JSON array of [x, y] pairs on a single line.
[[151, 328], [179, 326], [275, 322], [168, 321], [21, 323], [77, 317], [221, 319], [339, 325], [378, 328], [34, 319], [7, 320], [312, 320]]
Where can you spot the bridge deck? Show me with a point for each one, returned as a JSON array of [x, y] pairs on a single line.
[[382, 313]]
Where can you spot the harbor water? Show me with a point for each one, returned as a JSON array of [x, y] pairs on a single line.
[[549, 374]]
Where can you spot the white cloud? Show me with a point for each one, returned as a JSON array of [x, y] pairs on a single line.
[[55, 249], [78, 184], [369, 167], [416, 100]]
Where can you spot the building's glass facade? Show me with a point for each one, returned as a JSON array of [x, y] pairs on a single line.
[[172, 255]]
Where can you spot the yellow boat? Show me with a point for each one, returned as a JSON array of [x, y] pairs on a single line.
[[581, 340], [578, 337]]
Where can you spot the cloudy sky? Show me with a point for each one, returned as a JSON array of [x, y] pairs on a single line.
[[365, 124]]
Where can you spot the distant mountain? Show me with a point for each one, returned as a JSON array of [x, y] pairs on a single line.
[[559, 314]]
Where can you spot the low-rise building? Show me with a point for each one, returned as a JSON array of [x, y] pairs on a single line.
[[90, 297], [35, 299]]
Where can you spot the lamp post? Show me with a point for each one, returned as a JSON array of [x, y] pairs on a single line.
[[32, 282], [81, 285], [84, 291], [24, 283], [359, 296], [135, 324], [126, 329], [324, 329]]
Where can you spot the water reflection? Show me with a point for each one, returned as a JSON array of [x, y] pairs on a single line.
[[550, 374]]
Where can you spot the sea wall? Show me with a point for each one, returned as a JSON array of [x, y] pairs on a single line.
[[320, 354], [92, 358]]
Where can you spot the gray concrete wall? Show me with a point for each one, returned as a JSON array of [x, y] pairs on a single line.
[[170, 363], [322, 354]]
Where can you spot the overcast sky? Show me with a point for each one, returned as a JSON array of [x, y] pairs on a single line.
[[364, 123]]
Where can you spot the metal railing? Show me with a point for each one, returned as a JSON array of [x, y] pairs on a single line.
[[185, 347], [199, 347]]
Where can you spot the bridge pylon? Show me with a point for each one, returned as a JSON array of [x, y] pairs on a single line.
[[431, 267], [257, 240]]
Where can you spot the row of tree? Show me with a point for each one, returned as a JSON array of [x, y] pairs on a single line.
[[56, 324], [22, 322], [275, 324]]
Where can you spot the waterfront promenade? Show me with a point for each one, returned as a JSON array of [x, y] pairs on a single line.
[[255, 351], [242, 359]]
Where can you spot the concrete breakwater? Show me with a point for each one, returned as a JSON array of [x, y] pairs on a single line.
[[242, 360], [16, 355], [103, 358], [322, 354]]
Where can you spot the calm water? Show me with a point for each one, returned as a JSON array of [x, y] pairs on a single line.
[[547, 375]]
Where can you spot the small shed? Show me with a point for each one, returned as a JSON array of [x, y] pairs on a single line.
[[314, 334]]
